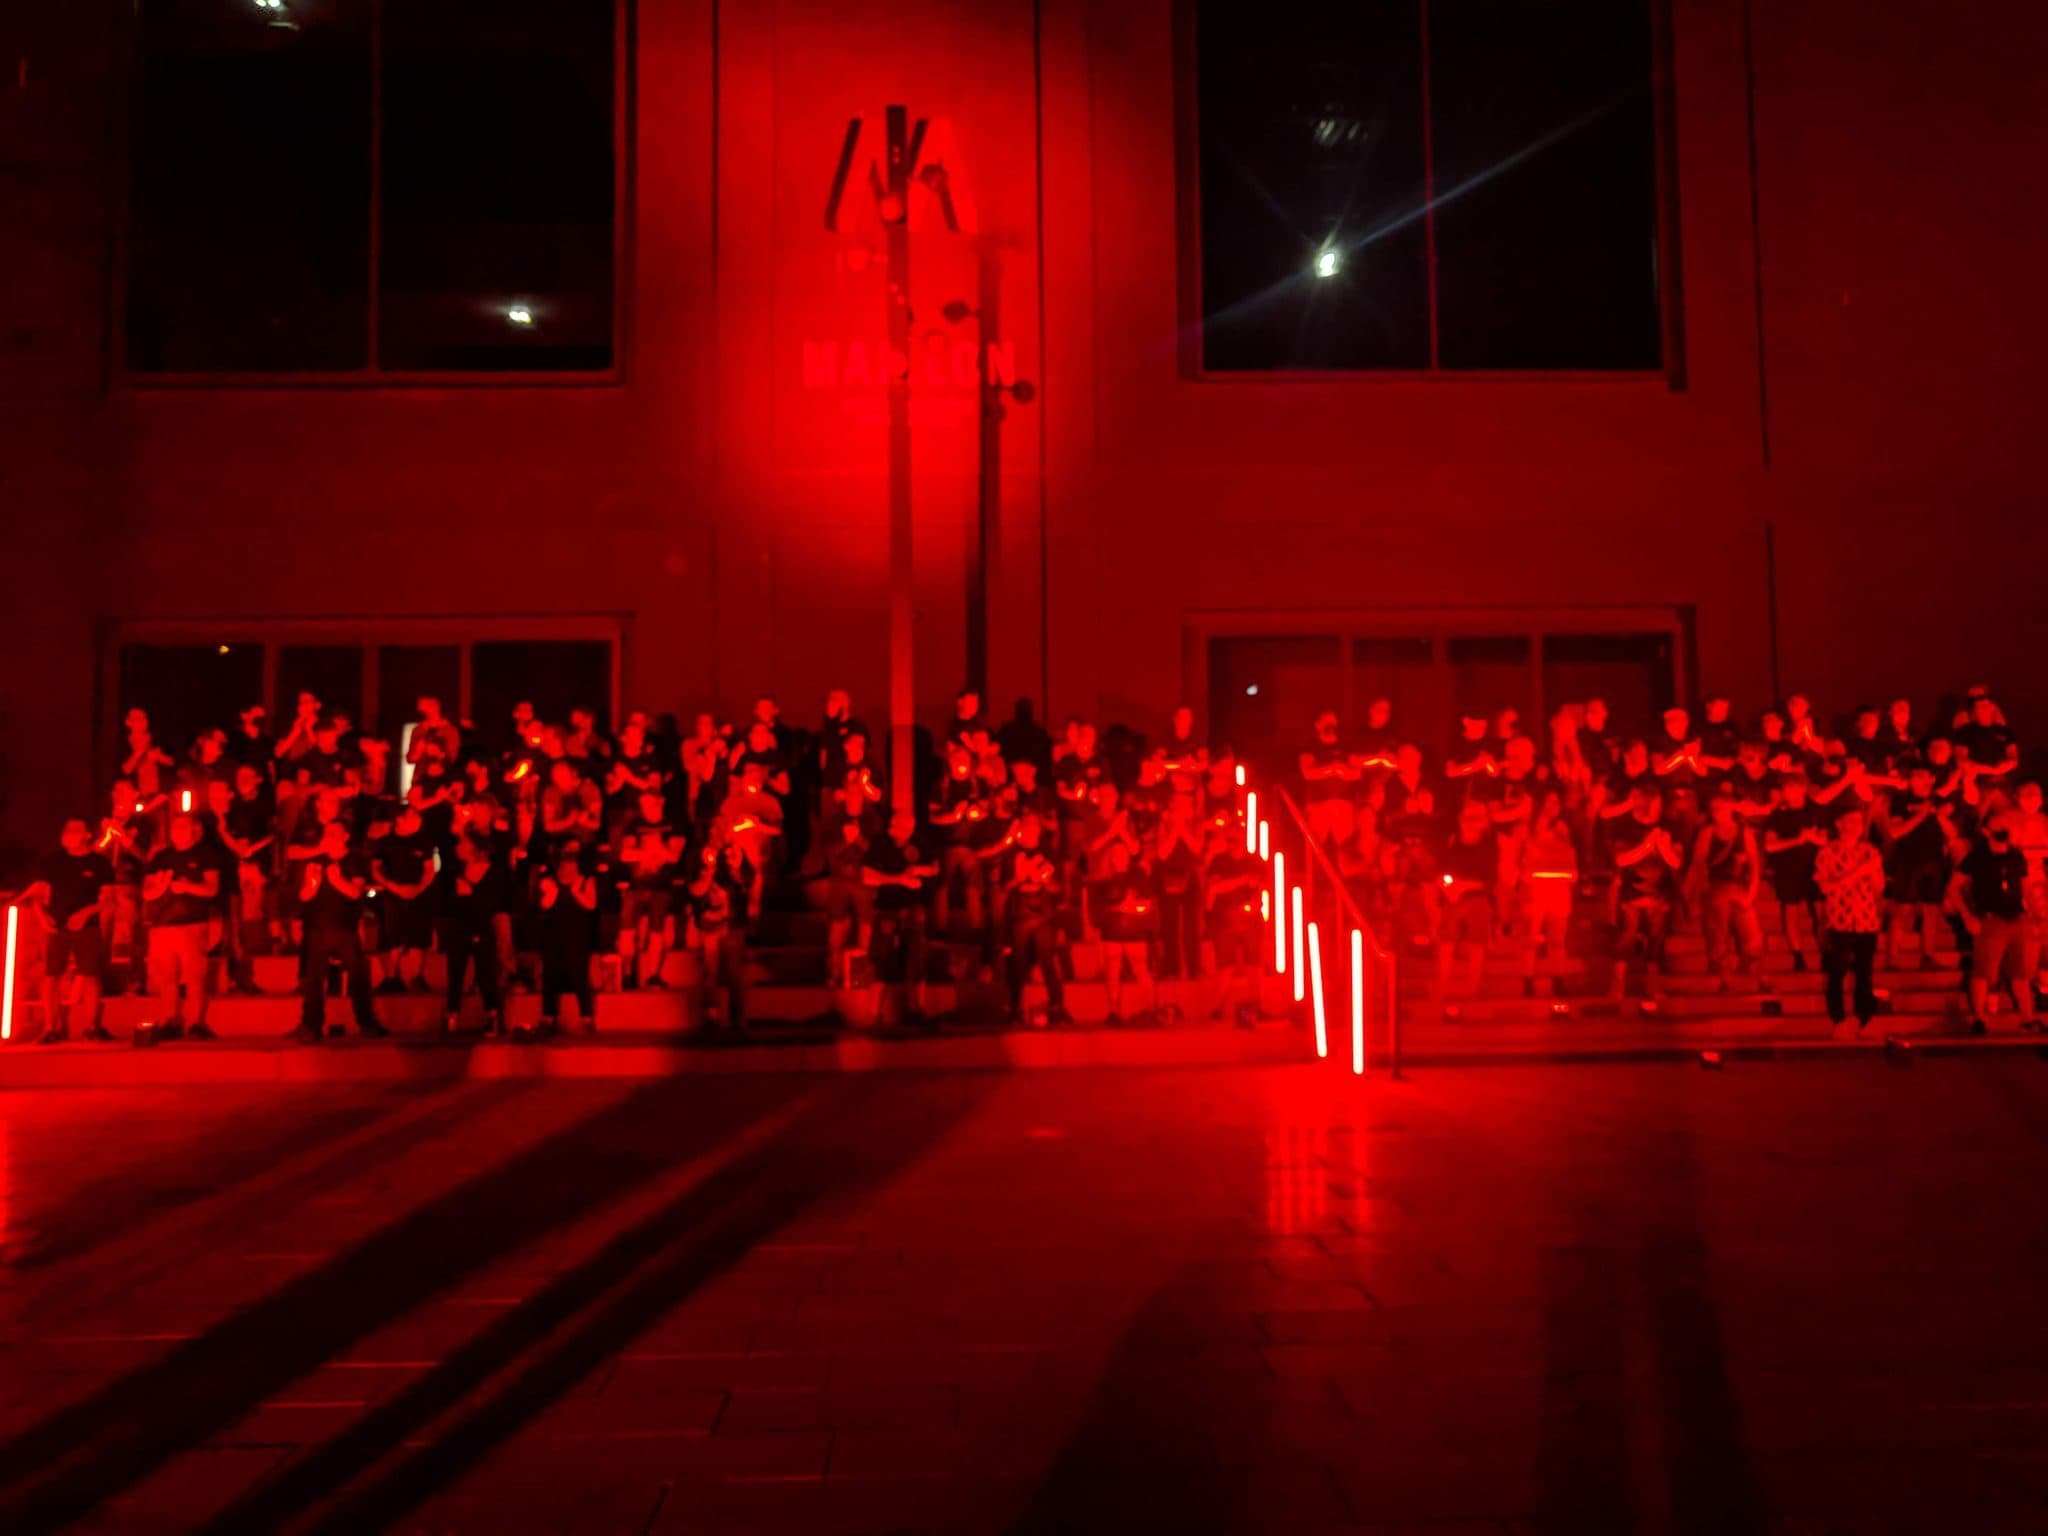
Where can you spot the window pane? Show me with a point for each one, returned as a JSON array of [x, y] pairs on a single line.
[[1265, 692], [496, 248], [406, 673], [248, 245], [1631, 672], [1310, 121], [555, 676], [1490, 673], [1545, 142], [333, 674], [186, 689]]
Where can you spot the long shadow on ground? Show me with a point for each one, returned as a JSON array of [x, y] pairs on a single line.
[[69, 1463]]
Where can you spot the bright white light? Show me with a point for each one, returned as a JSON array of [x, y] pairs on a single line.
[[1251, 690], [275, 7], [519, 314], [1327, 263]]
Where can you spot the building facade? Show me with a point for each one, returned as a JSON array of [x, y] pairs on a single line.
[[1824, 481]]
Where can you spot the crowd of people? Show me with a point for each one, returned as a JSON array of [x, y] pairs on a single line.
[[1884, 834], [523, 854]]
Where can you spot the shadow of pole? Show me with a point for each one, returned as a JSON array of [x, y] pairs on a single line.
[[66, 1465], [864, 1134]]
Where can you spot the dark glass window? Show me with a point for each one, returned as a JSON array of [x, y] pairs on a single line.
[[554, 676], [271, 137], [249, 226], [497, 185], [186, 689], [1413, 184], [333, 674], [408, 673]]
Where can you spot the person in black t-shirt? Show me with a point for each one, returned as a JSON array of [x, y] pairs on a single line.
[[247, 830], [847, 830], [332, 886], [1329, 783], [476, 900], [651, 853], [1988, 749], [1177, 869], [402, 862], [1647, 859], [719, 894], [1989, 890], [900, 875], [73, 887], [1471, 875], [1124, 909], [1794, 834], [1234, 884], [1917, 835], [568, 934], [180, 885], [1028, 877]]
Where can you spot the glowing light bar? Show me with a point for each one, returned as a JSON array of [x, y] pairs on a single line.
[[1240, 775], [1251, 821], [185, 802], [7, 977], [1315, 980], [1300, 971], [1357, 1003], [1265, 844], [1280, 913]]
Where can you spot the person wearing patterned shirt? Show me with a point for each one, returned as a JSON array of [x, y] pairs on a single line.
[[1850, 873]]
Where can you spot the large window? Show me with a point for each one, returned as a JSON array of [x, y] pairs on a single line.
[[1428, 184], [373, 187]]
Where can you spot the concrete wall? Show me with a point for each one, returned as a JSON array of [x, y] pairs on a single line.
[[1880, 419]]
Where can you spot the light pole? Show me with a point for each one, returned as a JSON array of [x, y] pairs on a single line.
[[895, 213]]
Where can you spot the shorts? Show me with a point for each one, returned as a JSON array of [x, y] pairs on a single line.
[[653, 906], [84, 950], [2005, 951], [1235, 947]]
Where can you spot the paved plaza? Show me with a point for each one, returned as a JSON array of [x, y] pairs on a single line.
[[1795, 1296]]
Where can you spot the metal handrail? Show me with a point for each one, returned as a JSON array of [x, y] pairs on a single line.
[[1318, 855]]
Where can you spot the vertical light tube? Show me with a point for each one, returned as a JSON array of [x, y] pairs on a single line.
[[1315, 982], [1265, 841], [1357, 1002], [1251, 821], [1280, 913], [1300, 970], [7, 976]]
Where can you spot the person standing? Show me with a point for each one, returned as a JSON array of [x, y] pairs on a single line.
[[477, 895], [1990, 892], [331, 894], [568, 924], [74, 887], [899, 875], [180, 885], [1850, 873]]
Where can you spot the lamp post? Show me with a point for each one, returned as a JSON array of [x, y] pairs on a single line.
[[895, 212]]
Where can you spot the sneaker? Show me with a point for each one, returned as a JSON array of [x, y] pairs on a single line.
[[172, 1029], [56, 1034], [201, 1031], [98, 1034], [1978, 1029], [370, 1029]]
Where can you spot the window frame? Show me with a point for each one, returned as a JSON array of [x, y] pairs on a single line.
[[1193, 329], [370, 376], [368, 633]]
